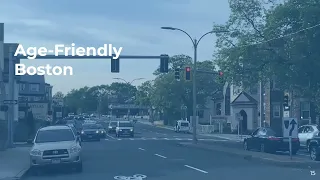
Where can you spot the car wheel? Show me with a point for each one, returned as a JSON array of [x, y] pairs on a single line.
[[314, 155], [245, 146]]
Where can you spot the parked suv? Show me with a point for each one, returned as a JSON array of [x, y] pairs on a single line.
[[306, 133], [56, 146]]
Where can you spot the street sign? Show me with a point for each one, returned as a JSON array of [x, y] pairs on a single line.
[[10, 102], [290, 127]]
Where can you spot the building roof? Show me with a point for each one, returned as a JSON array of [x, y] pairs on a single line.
[[244, 98], [33, 79]]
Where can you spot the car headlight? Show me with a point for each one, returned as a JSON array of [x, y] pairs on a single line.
[[120, 129], [97, 131], [82, 132], [75, 149], [110, 127], [102, 131], [35, 152], [131, 129]]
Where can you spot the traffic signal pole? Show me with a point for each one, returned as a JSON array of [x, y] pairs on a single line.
[[195, 44]]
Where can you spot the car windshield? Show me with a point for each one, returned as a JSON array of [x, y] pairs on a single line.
[[90, 126], [55, 136], [125, 124], [271, 132], [184, 124]]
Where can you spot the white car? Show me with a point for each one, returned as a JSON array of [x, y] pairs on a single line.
[[182, 126], [56, 146], [306, 133]]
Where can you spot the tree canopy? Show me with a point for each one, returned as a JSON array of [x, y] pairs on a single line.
[[272, 39]]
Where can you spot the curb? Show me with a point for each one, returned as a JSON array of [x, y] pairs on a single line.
[[22, 173], [252, 158]]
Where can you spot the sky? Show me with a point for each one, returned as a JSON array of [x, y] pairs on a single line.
[[133, 25]]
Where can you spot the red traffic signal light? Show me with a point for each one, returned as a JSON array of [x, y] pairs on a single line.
[[188, 73], [220, 73]]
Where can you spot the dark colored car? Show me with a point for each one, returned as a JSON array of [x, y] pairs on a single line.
[[314, 147], [90, 132], [112, 127], [102, 131], [266, 140]]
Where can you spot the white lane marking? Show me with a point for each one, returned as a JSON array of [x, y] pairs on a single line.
[[196, 169], [154, 138], [143, 138], [166, 138], [141, 149], [131, 139], [106, 139], [160, 156], [165, 134], [119, 139], [178, 139], [110, 136], [189, 139]]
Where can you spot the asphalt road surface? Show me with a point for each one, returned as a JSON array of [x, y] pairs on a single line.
[[153, 154]]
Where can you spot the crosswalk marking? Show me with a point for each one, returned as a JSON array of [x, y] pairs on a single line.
[[161, 138]]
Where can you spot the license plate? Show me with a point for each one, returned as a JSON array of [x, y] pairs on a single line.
[[90, 136], [56, 161]]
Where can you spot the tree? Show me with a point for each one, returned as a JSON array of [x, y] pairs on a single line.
[[170, 95], [263, 43], [58, 95], [144, 94]]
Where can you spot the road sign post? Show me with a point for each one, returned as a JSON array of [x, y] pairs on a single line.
[[290, 130]]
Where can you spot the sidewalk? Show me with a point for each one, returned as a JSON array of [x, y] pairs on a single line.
[[273, 159], [14, 163], [230, 137], [151, 124]]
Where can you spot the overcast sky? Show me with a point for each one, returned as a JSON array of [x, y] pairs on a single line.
[[131, 24]]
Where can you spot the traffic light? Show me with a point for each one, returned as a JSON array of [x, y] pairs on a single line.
[[177, 73], [220, 77], [164, 63], [115, 65], [286, 101], [188, 73]]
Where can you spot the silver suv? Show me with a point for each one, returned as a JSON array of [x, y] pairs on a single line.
[[56, 146], [306, 133]]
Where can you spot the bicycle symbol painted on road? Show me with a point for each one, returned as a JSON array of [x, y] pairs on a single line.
[[134, 177]]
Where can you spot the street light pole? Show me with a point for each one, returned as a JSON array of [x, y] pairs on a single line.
[[195, 44]]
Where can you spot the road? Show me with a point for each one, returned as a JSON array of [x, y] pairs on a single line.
[[154, 152]]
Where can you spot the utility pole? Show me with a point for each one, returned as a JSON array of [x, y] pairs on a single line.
[[2, 88], [11, 114]]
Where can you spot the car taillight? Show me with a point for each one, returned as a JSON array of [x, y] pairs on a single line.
[[295, 139], [273, 138]]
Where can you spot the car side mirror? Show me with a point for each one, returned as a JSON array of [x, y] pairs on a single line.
[[30, 141]]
